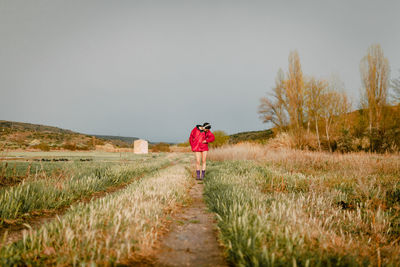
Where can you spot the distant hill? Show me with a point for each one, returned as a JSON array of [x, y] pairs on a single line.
[[121, 141], [20, 135], [252, 136], [23, 126], [129, 140]]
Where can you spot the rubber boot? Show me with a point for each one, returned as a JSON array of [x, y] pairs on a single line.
[[203, 173], [198, 174]]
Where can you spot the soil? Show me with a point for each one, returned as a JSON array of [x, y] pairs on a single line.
[[192, 239]]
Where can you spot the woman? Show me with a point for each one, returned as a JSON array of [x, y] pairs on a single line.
[[199, 139]]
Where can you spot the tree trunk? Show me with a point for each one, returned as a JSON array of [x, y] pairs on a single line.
[[316, 129], [327, 134], [370, 130], [370, 138]]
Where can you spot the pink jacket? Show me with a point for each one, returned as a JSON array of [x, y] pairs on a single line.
[[197, 137]]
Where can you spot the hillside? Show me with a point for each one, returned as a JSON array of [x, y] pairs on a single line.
[[19, 135], [253, 136], [23, 127]]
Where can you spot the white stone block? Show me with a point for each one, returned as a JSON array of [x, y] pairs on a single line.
[[140, 146]]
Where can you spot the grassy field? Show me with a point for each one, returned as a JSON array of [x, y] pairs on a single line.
[[49, 185], [273, 207], [283, 207], [114, 229], [119, 227]]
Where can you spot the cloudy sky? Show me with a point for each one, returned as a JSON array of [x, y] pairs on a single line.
[[154, 69]]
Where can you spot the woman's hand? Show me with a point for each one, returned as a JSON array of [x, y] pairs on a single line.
[[204, 142]]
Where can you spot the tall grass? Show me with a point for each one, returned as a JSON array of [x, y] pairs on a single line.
[[12, 173], [309, 162], [52, 193], [107, 231], [277, 215]]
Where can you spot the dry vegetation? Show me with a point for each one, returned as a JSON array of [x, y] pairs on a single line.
[[309, 162], [35, 137], [282, 206], [316, 112]]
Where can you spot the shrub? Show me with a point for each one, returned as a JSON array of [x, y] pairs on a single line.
[[221, 138], [306, 140], [184, 144], [43, 146], [99, 142], [345, 141], [281, 140], [160, 147], [84, 147], [69, 146], [90, 144], [301, 139]]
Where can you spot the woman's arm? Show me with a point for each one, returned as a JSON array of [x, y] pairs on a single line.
[[210, 137]]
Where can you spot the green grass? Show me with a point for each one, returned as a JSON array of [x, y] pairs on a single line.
[[82, 179], [270, 217], [108, 231], [14, 172]]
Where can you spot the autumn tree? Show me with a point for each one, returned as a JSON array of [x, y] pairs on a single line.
[[314, 92], [374, 68], [294, 86], [274, 107], [335, 105], [295, 101], [285, 106]]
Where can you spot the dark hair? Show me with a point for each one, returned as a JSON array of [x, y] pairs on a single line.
[[206, 125]]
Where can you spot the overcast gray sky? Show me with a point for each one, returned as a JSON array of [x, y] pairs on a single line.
[[154, 69]]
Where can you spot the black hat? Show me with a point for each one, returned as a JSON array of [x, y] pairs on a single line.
[[206, 125]]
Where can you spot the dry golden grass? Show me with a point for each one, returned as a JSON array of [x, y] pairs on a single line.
[[325, 206], [182, 149], [309, 162]]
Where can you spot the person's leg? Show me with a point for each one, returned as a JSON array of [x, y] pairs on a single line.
[[204, 159], [198, 157]]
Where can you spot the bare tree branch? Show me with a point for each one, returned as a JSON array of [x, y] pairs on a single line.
[[374, 68], [273, 108], [395, 85]]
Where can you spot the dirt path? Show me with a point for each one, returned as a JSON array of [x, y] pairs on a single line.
[[192, 239]]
